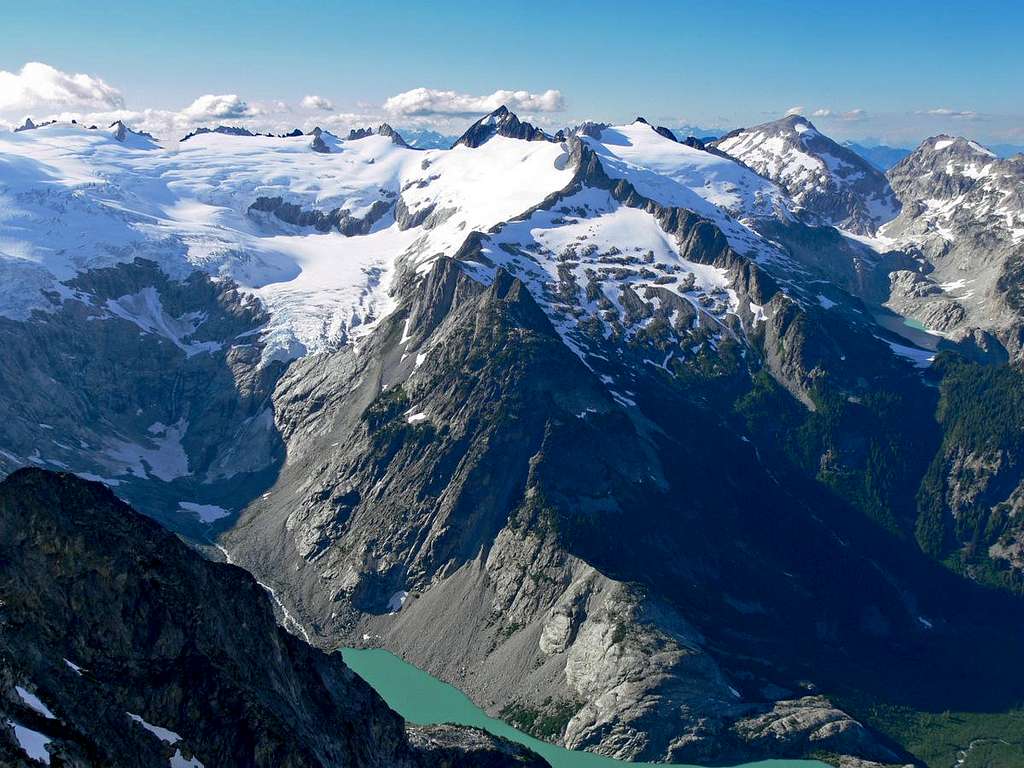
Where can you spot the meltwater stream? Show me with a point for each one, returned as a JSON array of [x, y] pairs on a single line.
[[425, 700]]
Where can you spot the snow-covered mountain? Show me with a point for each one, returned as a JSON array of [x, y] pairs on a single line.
[[317, 232], [950, 183], [271, 213], [556, 390], [835, 185]]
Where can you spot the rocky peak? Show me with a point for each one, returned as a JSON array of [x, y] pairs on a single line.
[[359, 133], [382, 130], [501, 122], [136, 139], [833, 184], [227, 130], [29, 125], [396, 138], [947, 165], [944, 168], [120, 130], [963, 210], [589, 128], [318, 144], [660, 129], [797, 123]]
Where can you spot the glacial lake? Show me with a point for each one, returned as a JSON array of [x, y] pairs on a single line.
[[425, 700], [907, 327]]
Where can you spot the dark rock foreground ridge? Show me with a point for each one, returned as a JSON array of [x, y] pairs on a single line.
[[122, 646]]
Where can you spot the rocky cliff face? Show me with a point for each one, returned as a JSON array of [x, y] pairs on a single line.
[[154, 385], [468, 468], [832, 183], [971, 498], [121, 646]]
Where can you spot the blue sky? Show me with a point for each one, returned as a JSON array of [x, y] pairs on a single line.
[[892, 70]]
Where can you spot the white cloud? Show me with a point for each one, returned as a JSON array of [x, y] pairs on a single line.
[[794, 111], [945, 112], [849, 115], [343, 121], [428, 101], [317, 102], [224, 106], [40, 88]]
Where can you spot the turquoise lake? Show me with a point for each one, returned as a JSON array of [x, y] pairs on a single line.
[[425, 700]]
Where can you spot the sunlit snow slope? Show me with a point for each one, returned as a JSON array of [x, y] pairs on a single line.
[[73, 199]]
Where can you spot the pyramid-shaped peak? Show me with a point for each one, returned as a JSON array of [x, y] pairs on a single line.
[[500, 122]]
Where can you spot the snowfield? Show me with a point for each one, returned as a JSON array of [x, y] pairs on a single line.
[[73, 199], [710, 185], [264, 211]]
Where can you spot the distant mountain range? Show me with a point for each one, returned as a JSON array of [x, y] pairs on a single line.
[[427, 139], [879, 155]]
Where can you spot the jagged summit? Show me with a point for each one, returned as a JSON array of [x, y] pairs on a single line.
[[384, 129], [831, 182], [503, 122], [321, 144], [130, 137], [29, 125], [228, 130]]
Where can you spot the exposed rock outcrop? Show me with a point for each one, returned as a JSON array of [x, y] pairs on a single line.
[[963, 208], [339, 219]]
